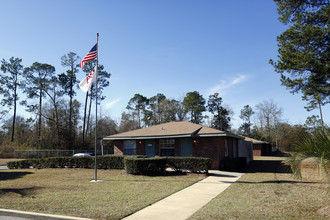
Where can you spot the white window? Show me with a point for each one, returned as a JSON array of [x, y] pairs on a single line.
[[130, 147], [167, 147]]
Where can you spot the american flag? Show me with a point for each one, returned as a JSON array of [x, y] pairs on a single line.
[[90, 56]]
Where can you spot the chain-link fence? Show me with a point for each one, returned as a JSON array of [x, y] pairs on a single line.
[[53, 153]]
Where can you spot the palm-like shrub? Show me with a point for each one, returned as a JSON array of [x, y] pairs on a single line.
[[315, 147]]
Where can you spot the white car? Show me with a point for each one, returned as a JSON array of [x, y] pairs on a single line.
[[83, 155]]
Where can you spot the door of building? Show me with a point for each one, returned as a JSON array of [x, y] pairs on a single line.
[[149, 147], [185, 145]]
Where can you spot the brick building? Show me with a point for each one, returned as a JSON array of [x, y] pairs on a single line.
[[260, 148], [180, 139]]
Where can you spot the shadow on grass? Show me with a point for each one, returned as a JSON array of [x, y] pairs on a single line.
[[23, 192], [222, 175], [268, 166], [168, 173], [12, 175], [278, 181]]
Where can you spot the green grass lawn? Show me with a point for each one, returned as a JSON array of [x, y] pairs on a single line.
[[69, 192], [268, 191]]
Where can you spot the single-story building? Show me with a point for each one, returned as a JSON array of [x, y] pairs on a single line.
[[181, 138], [260, 148]]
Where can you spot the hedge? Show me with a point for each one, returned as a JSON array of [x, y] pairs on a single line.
[[145, 166], [103, 162], [133, 164], [192, 164]]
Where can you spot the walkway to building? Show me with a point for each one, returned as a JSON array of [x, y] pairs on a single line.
[[186, 202]]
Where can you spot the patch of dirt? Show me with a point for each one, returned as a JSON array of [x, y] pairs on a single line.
[[324, 211]]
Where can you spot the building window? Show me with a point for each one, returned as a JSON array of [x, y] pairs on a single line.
[[166, 147], [130, 147]]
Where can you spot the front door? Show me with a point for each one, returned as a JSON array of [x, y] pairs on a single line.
[[185, 147], [149, 147]]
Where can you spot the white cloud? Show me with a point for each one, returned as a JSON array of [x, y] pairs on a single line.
[[225, 85], [110, 104]]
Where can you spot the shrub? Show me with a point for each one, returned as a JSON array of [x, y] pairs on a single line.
[[103, 162], [315, 147], [110, 162], [133, 164], [145, 166], [192, 164]]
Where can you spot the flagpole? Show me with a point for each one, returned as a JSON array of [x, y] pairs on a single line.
[[96, 90]]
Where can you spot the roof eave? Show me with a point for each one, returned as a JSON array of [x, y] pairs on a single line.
[[220, 135], [171, 136], [147, 137]]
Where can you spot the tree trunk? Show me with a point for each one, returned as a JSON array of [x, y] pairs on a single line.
[[57, 127], [249, 129], [70, 110], [89, 111], [14, 117], [84, 123], [39, 125], [57, 122], [322, 123]]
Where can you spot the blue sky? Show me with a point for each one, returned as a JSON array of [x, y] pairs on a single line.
[[151, 46]]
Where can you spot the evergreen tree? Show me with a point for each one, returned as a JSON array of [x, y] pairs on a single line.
[[138, 104], [38, 79], [194, 103], [304, 50], [246, 114], [10, 84], [221, 118], [68, 81]]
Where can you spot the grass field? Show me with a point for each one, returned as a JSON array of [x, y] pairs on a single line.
[[69, 192], [268, 191]]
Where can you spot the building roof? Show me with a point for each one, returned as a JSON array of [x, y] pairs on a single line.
[[254, 141], [171, 130]]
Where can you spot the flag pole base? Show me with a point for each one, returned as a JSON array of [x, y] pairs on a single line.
[[94, 181]]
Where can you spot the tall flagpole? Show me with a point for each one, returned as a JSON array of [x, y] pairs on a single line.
[[96, 89]]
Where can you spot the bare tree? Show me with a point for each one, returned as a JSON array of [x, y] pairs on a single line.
[[268, 118]]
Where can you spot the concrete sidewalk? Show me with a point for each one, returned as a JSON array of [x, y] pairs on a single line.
[[186, 202]]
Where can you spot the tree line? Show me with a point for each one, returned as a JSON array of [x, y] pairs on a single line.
[[264, 122], [50, 98], [145, 112], [303, 62], [59, 124]]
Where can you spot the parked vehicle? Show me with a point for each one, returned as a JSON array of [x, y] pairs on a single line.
[[83, 155]]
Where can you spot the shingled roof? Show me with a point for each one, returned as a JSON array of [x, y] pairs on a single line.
[[255, 141], [171, 130]]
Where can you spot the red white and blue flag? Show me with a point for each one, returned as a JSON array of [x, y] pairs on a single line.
[[86, 83], [90, 56]]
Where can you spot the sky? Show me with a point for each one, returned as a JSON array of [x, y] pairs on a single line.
[[159, 46]]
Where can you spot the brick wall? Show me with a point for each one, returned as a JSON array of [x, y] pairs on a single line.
[[257, 149], [261, 149], [211, 147]]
